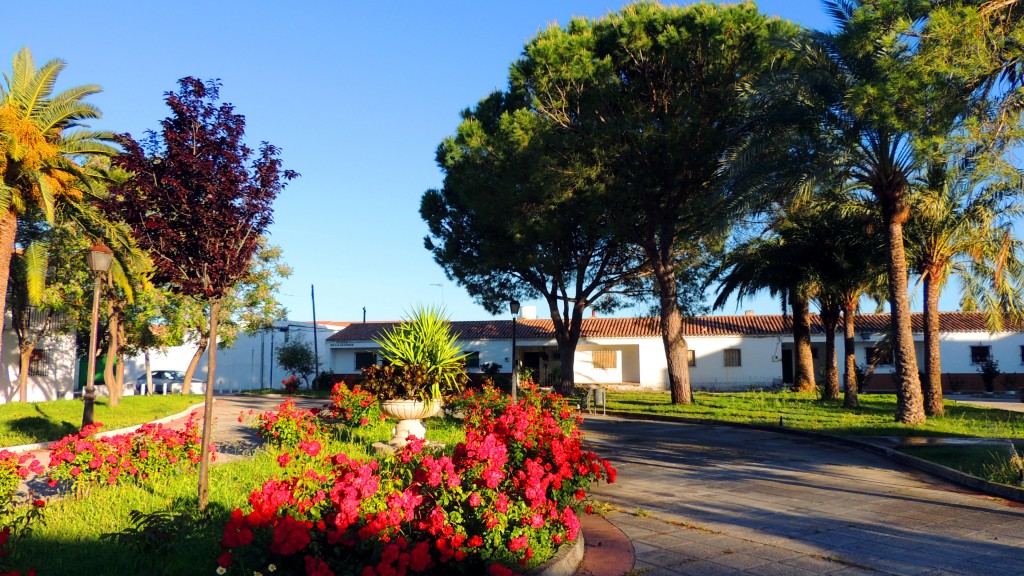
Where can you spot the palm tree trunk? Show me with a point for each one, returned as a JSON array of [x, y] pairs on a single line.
[[672, 336], [804, 373], [829, 320], [850, 378], [8, 228], [204, 457], [909, 401], [932, 360]]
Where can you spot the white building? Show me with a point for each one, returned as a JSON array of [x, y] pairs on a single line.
[[725, 352], [250, 364]]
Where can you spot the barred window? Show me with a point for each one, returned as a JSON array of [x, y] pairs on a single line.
[[733, 358], [473, 360], [606, 359], [980, 354], [691, 358], [38, 362]]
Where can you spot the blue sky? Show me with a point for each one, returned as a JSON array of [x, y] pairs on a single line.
[[358, 95]]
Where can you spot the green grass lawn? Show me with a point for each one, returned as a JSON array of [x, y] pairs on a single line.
[[805, 411], [71, 541], [27, 423], [993, 463]]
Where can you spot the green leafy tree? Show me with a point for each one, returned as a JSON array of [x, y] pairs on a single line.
[[658, 93], [296, 356], [521, 215], [199, 202]]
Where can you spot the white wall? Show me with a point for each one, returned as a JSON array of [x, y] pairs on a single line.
[[60, 370], [249, 364]]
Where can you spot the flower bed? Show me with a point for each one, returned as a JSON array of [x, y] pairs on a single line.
[[84, 459], [502, 501]]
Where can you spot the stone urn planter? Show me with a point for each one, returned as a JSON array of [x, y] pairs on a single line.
[[409, 412]]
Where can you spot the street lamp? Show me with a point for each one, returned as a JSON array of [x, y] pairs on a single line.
[[514, 307], [98, 258]]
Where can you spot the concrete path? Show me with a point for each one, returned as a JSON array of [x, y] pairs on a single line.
[[709, 500]]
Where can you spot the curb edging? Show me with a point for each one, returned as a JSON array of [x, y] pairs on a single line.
[[46, 445]]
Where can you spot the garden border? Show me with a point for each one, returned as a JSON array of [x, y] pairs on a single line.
[[46, 445], [944, 472]]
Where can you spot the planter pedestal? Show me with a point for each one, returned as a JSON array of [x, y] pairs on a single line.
[[409, 412]]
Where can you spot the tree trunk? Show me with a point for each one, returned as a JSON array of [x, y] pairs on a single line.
[[804, 373], [204, 458], [111, 358], [186, 386], [25, 356], [8, 228], [829, 320], [932, 360], [567, 337], [909, 401], [672, 336], [850, 378], [149, 374]]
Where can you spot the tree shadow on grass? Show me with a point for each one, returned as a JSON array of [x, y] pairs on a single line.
[[41, 428]]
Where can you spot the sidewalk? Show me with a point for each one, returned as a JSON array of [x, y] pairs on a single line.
[[716, 500]]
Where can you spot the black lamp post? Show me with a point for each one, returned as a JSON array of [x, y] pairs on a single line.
[[99, 258], [514, 307]]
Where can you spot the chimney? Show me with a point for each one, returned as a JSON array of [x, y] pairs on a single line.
[[749, 313], [528, 313], [593, 313]]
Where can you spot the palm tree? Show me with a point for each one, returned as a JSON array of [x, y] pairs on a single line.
[[881, 105], [962, 227], [42, 136], [776, 264]]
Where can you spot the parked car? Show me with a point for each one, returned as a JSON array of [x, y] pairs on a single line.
[[168, 382]]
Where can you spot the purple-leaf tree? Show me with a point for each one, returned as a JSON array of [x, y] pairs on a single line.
[[199, 201]]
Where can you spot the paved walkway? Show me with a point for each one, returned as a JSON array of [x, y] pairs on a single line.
[[712, 500]]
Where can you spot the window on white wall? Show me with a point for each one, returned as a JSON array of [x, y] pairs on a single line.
[[605, 359], [365, 360], [472, 360], [38, 362], [732, 357], [980, 354], [1022, 354], [877, 356], [691, 357]]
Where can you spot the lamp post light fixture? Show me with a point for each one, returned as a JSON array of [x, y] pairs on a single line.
[[98, 258], [514, 308]]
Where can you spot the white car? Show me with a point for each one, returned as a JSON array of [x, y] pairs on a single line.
[[168, 382]]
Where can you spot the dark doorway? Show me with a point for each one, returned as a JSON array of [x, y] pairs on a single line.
[[787, 365]]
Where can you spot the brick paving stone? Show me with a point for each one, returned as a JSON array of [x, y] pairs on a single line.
[[832, 510]]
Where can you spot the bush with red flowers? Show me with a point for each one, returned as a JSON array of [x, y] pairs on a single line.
[[288, 425], [500, 502], [85, 459], [354, 407], [290, 384], [13, 469]]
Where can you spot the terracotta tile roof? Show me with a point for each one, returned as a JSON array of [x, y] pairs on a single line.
[[758, 325]]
